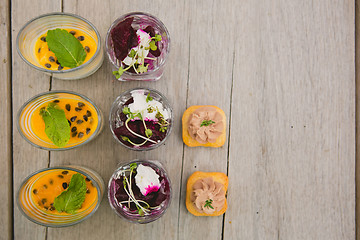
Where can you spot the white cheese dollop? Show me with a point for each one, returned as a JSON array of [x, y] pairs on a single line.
[[141, 106], [147, 180], [142, 48]]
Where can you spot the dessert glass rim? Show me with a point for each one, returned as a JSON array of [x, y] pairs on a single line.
[[124, 16], [115, 105], [98, 112], [60, 168], [60, 14], [152, 162]]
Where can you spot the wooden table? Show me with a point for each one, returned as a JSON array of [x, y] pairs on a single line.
[[283, 72]]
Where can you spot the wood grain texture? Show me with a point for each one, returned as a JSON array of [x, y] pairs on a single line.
[[284, 74], [26, 82], [357, 117], [291, 165], [5, 119]]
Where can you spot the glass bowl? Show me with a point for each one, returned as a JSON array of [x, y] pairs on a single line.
[[38, 209], [35, 28], [141, 21], [117, 119], [32, 127], [160, 198]]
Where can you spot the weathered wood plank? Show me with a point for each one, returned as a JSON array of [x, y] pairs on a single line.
[[292, 151], [5, 119], [357, 117], [26, 82], [103, 154], [211, 48]]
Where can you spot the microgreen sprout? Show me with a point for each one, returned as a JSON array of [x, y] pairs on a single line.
[[148, 98], [143, 208], [138, 57], [206, 123], [208, 204]]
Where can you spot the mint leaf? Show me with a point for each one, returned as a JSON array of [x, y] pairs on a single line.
[[73, 197], [68, 50], [206, 123], [208, 204], [56, 125]]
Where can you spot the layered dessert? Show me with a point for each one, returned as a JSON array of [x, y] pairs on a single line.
[[59, 120], [137, 44], [204, 126], [205, 195], [64, 45], [60, 196], [140, 191], [140, 119]]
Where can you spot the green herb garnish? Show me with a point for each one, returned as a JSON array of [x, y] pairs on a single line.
[[148, 98], [208, 204], [73, 197], [138, 59], [206, 123], [68, 49], [57, 127]]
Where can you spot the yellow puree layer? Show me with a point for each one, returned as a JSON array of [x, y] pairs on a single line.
[[49, 186], [38, 125], [43, 53]]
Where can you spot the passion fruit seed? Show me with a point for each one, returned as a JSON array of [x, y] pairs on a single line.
[[87, 191], [56, 101], [44, 200], [39, 50], [48, 65], [43, 39], [35, 191], [78, 109], [51, 59], [57, 62], [80, 104], [65, 172], [46, 207], [88, 113], [73, 118], [72, 32], [80, 135], [69, 122], [87, 179], [79, 121], [60, 176], [74, 134], [88, 130], [81, 38], [68, 107], [87, 49], [45, 186], [52, 208], [74, 129], [85, 118], [51, 182], [64, 185], [60, 67]]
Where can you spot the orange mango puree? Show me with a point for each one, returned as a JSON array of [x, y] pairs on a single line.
[[84, 120], [51, 184], [47, 58]]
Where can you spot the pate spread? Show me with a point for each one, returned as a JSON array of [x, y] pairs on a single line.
[[205, 190], [209, 132]]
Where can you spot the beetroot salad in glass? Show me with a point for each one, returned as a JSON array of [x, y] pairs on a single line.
[[141, 119]]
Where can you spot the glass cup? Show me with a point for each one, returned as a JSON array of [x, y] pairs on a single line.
[[126, 209], [117, 121], [31, 32], [37, 192], [32, 127], [141, 21]]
